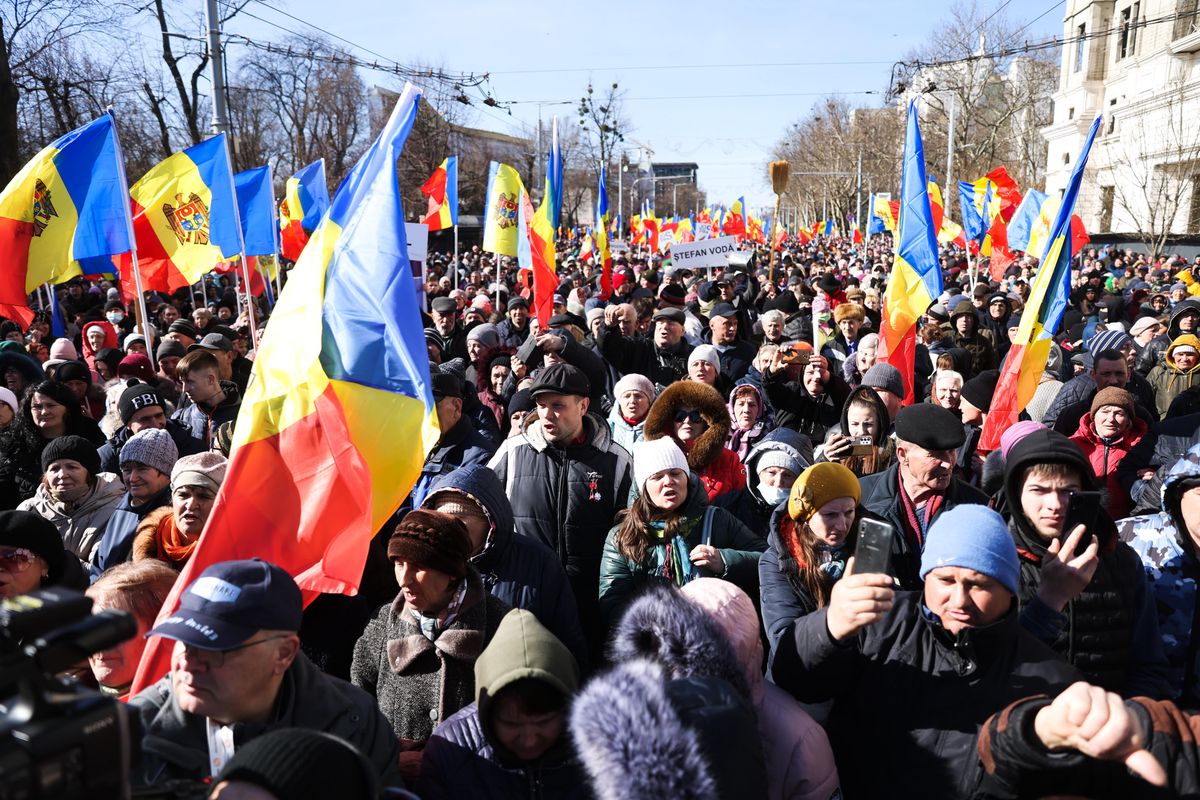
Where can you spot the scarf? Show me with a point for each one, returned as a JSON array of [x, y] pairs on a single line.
[[914, 527], [673, 555], [832, 560], [431, 627], [740, 441], [172, 543]]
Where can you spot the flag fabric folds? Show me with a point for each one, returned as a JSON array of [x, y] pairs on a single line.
[[183, 219], [531, 255], [256, 203], [69, 203], [337, 421], [545, 221], [600, 237], [500, 209], [916, 277], [1041, 318], [1023, 227], [305, 201], [442, 191]]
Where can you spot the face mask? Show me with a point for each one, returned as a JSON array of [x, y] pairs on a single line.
[[773, 495], [115, 317]]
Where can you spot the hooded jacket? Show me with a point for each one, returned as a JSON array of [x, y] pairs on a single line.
[[1168, 380], [621, 578], [719, 468], [799, 760], [747, 504], [519, 570], [909, 696], [883, 447], [419, 683], [566, 498], [81, 524], [1105, 455], [1168, 554], [110, 341], [1109, 631], [1153, 352], [174, 743], [461, 446], [463, 758]]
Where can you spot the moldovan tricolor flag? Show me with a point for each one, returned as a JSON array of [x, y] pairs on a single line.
[[68, 203], [603, 253], [305, 201], [442, 191], [338, 419], [500, 209], [1041, 318], [916, 277], [183, 219]]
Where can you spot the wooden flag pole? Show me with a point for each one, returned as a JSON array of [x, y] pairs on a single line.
[[779, 180]]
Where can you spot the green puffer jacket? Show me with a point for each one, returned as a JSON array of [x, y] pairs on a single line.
[[621, 578]]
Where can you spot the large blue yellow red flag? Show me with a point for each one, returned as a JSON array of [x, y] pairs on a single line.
[[69, 203], [305, 201], [603, 253], [545, 221], [976, 204], [500, 209], [184, 219], [1026, 220], [337, 421], [256, 204], [442, 191], [916, 277], [531, 255], [1048, 297]]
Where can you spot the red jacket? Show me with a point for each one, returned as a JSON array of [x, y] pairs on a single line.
[[724, 474], [1104, 457]]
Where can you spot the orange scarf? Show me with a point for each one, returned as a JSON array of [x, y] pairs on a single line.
[[173, 545]]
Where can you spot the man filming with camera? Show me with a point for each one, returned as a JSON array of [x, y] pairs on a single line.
[[237, 673]]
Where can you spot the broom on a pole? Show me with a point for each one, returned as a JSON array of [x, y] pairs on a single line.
[[779, 180]]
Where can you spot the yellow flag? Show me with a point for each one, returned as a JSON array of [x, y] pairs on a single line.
[[500, 220]]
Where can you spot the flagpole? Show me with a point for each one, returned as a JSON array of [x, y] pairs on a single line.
[[140, 308], [455, 266], [203, 290], [237, 218], [275, 230]]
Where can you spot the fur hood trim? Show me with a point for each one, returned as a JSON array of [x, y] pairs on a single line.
[[710, 404]]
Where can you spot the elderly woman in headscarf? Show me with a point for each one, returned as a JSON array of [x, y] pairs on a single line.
[[417, 656], [748, 413]]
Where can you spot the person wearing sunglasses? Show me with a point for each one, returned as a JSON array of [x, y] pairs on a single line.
[[32, 556], [696, 417], [237, 673]]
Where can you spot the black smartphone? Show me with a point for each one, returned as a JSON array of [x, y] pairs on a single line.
[[873, 552], [1083, 508]]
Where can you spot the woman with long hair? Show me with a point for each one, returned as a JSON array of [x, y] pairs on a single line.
[[670, 533]]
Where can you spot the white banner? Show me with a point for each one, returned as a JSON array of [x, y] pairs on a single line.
[[707, 253], [417, 234]]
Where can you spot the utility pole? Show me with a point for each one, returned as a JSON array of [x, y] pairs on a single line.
[[858, 215], [216, 63], [950, 186]]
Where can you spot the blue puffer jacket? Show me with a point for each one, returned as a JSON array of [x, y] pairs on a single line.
[[117, 544], [1169, 555], [461, 446], [519, 570]]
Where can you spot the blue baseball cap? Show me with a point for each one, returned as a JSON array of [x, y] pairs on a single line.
[[230, 602]]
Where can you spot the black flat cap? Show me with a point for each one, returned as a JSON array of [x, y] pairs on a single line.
[[561, 379], [930, 426]]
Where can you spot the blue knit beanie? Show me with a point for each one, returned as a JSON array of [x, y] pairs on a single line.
[[974, 537]]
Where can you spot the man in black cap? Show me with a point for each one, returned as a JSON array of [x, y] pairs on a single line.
[[237, 673], [183, 332], [444, 313], [460, 444], [736, 354], [663, 358], [143, 407], [514, 328], [567, 479], [233, 366], [920, 486]]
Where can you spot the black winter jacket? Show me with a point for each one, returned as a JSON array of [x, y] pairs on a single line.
[[631, 354], [1158, 450], [795, 408], [909, 696]]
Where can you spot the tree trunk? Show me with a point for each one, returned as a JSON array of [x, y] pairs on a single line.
[[10, 159]]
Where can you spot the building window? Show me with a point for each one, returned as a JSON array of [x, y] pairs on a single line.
[[1066, 158], [1079, 48], [1107, 194], [1071, 113], [1186, 12], [1194, 209], [1112, 116], [1127, 31]]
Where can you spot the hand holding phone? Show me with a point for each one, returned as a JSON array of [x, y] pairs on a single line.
[[873, 552]]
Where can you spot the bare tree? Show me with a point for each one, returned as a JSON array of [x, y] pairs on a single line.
[[1155, 172]]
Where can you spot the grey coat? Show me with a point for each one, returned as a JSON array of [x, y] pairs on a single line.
[[417, 683]]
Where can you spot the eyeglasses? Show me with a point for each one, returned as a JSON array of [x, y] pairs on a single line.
[[216, 658], [692, 416], [15, 559]]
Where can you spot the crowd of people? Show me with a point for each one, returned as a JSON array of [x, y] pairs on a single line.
[[627, 568]]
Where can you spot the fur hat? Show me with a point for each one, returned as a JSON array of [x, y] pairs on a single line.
[[849, 311], [1113, 396], [651, 458], [153, 447], [819, 484], [660, 421], [432, 539]]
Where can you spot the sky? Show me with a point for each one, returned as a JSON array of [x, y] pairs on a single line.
[[705, 82]]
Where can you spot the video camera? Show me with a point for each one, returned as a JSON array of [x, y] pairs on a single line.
[[57, 739]]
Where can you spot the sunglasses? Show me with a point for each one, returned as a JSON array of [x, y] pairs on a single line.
[[692, 416], [15, 559]]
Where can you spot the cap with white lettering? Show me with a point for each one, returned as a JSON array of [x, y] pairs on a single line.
[[230, 602]]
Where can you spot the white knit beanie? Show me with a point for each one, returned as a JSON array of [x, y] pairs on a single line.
[[706, 352], [651, 458], [634, 383]]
